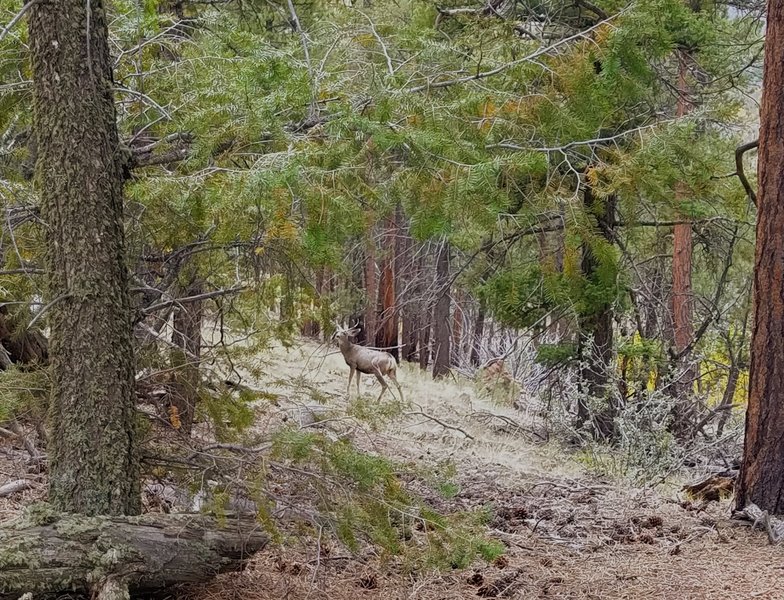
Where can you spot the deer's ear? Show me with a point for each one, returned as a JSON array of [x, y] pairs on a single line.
[[353, 331]]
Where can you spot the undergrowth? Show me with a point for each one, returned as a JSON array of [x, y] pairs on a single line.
[[358, 499]]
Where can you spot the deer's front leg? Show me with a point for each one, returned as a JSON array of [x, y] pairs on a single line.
[[350, 377]]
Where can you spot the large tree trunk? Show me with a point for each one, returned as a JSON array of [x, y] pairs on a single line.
[[70, 554], [762, 473], [441, 337], [93, 467], [596, 332], [185, 358]]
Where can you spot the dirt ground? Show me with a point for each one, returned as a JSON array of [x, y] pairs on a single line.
[[567, 534]]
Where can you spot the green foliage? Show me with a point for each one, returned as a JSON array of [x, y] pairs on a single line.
[[554, 355], [374, 506], [230, 413], [375, 414], [23, 393]]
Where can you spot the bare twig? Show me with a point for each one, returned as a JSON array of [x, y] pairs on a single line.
[[741, 173], [440, 422], [531, 57], [205, 296]]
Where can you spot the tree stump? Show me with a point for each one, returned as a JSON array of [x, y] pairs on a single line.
[[49, 553]]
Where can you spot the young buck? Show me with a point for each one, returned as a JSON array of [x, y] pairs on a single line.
[[367, 361]]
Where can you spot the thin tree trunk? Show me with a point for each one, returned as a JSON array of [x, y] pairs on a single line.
[[457, 329], [184, 390], [425, 323], [761, 478], [408, 297], [371, 290], [310, 325], [441, 337], [387, 334], [596, 331], [92, 460], [479, 329], [681, 295], [727, 398]]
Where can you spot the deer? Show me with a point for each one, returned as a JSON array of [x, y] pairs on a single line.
[[366, 360]]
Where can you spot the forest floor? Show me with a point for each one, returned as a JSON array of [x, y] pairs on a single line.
[[567, 534]]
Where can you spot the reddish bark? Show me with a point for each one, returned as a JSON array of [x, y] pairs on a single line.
[[682, 295], [761, 478], [371, 289], [408, 294], [387, 334]]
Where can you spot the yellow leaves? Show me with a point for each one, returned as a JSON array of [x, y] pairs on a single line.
[[283, 230], [174, 417], [280, 227], [602, 33], [592, 175], [713, 379]]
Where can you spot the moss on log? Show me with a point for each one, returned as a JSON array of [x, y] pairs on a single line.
[[48, 553]]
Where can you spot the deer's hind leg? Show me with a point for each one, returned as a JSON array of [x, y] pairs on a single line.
[[393, 376], [384, 386]]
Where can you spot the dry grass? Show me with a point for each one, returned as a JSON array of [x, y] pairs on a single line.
[[566, 534]]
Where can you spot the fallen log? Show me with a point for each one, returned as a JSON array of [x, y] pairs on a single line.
[[107, 558]]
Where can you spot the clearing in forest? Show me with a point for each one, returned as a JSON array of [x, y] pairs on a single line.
[[566, 533]]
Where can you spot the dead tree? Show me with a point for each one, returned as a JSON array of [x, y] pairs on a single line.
[[109, 557]]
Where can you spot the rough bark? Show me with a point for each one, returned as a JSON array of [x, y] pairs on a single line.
[[441, 337], [761, 478], [79, 174], [596, 332], [66, 554], [681, 294], [185, 357]]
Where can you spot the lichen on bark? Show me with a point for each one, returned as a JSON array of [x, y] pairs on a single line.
[[93, 465]]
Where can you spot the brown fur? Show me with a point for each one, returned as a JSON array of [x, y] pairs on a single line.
[[367, 361]]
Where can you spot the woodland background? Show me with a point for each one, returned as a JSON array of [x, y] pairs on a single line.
[[550, 202]]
